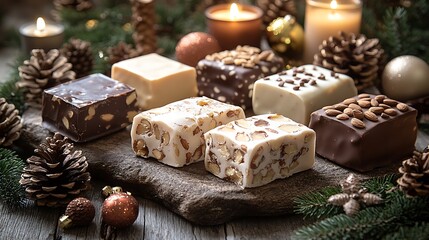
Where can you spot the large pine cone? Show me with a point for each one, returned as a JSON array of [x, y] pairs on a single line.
[[120, 52], [56, 174], [415, 175], [143, 19], [356, 56], [10, 123], [79, 54], [276, 8], [42, 71]]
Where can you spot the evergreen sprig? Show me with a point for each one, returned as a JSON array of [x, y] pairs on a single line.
[[8, 89], [402, 29], [372, 223], [315, 204], [11, 167], [400, 217]]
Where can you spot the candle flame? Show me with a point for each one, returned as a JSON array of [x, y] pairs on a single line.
[[334, 4], [233, 11], [40, 24]]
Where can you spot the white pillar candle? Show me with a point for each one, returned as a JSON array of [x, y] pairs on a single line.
[[325, 18]]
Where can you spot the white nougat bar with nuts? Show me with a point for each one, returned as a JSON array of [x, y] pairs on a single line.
[[298, 92], [174, 133], [257, 150]]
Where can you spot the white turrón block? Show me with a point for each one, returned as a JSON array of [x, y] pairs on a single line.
[[298, 92], [257, 150], [174, 133], [157, 79]]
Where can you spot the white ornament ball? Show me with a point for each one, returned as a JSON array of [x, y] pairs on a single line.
[[406, 78]]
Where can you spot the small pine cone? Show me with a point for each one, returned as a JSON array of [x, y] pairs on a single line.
[[56, 174], [121, 51], [276, 8], [351, 184], [415, 175], [10, 123], [79, 54], [42, 71], [77, 5], [351, 207], [356, 56], [143, 19]]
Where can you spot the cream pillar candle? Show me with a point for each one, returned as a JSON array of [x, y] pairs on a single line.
[[325, 18]]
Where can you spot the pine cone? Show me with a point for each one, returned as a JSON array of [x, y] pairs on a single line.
[[415, 175], [121, 51], [276, 8], [10, 123], [42, 71], [356, 56], [77, 5], [143, 20], [79, 54], [56, 174]]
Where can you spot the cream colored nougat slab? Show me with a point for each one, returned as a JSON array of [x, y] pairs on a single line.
[[257, 150], [157, 80], [298, 92], [174, 134]]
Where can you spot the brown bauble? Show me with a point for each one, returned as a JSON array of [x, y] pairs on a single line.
[[196, 46], [120, 210], [79, 212], [406, 78]]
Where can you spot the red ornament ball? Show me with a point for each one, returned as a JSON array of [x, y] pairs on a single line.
[[120, 210], [196, 46]]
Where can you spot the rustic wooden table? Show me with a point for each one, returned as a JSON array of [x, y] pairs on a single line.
[[154, 221]]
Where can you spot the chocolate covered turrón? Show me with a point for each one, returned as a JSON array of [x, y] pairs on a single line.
[[229, 76], [365, 132], [89, 107]]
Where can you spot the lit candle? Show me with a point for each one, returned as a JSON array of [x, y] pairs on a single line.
[[41, 35], [233, 25], [325, 18]]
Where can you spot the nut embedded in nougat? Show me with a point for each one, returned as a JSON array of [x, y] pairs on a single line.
[[173, 134], [254, 151]]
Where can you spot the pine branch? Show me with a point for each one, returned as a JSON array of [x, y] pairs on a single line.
[[417, 231], [370, 223], [11, 167], [316, 204], [8, 89]]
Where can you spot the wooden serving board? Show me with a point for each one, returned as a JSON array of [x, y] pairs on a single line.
[[191, 191]]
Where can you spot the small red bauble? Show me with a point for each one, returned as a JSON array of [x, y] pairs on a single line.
[[196, 46], [120, 210]]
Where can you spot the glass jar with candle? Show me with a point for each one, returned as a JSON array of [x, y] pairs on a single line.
[[235, 24], [41, 35], [325, 18]]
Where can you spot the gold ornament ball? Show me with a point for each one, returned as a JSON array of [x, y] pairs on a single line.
[[196, 46], [406, 78], [286, 37], [120, 210]]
